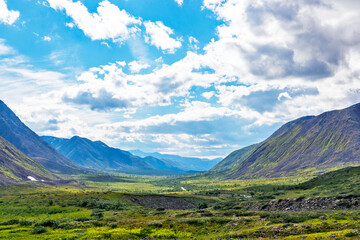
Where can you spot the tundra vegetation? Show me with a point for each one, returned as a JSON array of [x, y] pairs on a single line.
[[119, 206]]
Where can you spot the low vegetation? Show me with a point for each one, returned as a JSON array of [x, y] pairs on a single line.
[[112, 207]]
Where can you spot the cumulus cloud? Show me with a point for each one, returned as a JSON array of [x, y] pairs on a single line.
[[208, 95], [7, 16], [136, 66], [304, 52], [272, 61], [159, 36], [108, 23], [305, 48], [110, 84]]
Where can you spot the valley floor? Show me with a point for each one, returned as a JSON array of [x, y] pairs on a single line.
[[139, 207]]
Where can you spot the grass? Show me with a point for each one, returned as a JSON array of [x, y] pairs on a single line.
[[121, 206]]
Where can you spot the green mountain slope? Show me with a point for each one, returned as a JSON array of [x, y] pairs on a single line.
[[340, 182], [23, 138], [15, 166], [234, 159], [329, 140]]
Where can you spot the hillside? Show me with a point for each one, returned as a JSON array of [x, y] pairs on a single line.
[[184, 163], [98, 155], [312, 144], [15, 166], [340, 182], [23, 138]]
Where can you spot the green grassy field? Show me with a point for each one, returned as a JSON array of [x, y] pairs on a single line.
[[121, 206]]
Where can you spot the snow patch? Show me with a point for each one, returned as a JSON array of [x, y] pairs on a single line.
[[32, 179]]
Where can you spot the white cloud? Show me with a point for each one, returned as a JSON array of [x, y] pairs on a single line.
[[136, 66], [7, 16], [284, 95], [4, 49], [108, 87], [105, 43], [108, 23], [193, 43], [273, 61], [159, 36], [208, 95], [179, 2], [47, 38], [70, 25]]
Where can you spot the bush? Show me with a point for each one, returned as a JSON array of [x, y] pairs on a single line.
[[113, 225], [25, 223], [82, 219], [48, 223], [156, 224], [196, 222], [98, 214], [10, 222], [351, 234], [39, 230], [203, 205], [288, 217], [219, 220]]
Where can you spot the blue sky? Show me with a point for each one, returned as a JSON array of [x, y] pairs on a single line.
[[189, 77]]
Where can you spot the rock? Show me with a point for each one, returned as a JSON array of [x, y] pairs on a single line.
[[232, 223]]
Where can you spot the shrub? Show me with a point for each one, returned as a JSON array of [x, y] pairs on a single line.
[[203, 205], [219, 220], [82, 219], [156, 224], [10, 222], [39, 230], [48, 223], [197, 222], [113, 225], [98, 214], [25, 223], [351, 234]]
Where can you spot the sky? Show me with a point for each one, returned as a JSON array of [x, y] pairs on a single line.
[[188, 77]]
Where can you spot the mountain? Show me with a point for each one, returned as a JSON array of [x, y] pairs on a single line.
[[308, 144], [15, 166], [98, 155], [184, 163], [234, 159], [28, 142]]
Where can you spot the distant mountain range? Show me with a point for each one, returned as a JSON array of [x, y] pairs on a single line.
[[98, 155], [28, 142], [309, 144], [15, 166], [184, 163]]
